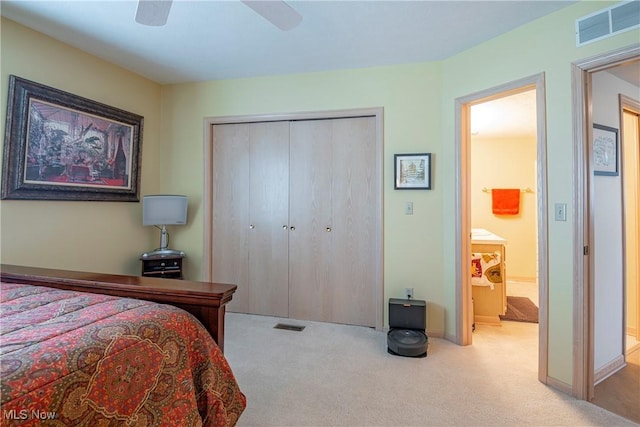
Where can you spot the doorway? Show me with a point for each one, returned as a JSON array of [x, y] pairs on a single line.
[[630, 142], [464, 225], [630, 137], [586, 295], [503, 169], [614, 101]]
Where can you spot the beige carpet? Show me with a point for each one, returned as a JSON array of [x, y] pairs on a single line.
[[336, 375]]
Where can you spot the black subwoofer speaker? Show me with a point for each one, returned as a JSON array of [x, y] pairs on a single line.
[[407, 326]]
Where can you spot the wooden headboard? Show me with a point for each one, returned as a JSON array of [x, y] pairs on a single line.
[[205, 300]]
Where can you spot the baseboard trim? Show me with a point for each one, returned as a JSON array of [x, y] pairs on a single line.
[[451, 337], [523, 279], [560, 385], [609, 369], [435, 334], [487, 320]]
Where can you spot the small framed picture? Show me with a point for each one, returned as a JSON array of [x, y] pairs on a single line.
[[605, 150], [412, 171]]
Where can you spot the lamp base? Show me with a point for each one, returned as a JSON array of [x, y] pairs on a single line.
[[163, 253]]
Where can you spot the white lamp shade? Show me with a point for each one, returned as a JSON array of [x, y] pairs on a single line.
[[162, 209]]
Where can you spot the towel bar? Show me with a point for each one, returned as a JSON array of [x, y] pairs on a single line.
[[525, 190]]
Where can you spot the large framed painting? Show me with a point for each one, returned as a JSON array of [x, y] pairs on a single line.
[[59, 146]]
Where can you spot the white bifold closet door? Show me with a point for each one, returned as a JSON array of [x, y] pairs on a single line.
[[294, 218]]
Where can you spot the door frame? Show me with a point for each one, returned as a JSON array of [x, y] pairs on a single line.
[[632, 106], [463, 217], [207, 199], [583, 262]]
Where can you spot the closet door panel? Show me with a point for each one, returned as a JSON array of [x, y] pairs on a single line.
[[310, 168], [296, 218], [269, 219], [230, 253], [353, 254]]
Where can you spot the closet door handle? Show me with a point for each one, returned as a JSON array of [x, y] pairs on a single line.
[[284, 227], [292, 228], [328, 229], [251, 226]]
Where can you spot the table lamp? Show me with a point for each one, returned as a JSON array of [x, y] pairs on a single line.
[[161, 210]]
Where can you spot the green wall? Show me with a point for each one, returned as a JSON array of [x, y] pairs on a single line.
[[543, 46], [410, 95]]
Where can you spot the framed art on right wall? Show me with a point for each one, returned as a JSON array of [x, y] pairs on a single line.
[[605, 150]]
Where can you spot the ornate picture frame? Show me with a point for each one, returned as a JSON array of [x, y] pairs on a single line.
[[59, 146]]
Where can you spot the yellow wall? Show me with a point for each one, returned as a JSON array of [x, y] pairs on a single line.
[[95, 236], [507, 163], [418, 103]]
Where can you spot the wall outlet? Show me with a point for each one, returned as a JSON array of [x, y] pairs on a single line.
[[408, 293]]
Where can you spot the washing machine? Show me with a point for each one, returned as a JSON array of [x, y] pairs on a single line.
[[407, 328]]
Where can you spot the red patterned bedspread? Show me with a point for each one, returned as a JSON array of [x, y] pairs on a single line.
[[70, 358]]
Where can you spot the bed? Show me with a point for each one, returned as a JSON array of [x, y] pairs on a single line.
[[93, 359]]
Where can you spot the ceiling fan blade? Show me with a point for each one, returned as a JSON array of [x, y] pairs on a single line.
[[278, 12], [153, 12]]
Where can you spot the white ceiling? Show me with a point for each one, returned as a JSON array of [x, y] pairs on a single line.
[[508, 117], [210, 40]]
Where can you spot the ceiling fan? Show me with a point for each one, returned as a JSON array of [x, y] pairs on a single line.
[[279, 13]]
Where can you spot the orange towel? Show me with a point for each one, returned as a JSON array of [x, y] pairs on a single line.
[[505, 201]]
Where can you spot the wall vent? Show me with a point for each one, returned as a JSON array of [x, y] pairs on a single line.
[[608, 22], [285, 326]]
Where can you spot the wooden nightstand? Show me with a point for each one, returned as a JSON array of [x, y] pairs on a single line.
[[164, 266]]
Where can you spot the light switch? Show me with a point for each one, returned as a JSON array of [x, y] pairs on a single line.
[[561, 211], [408, 208]]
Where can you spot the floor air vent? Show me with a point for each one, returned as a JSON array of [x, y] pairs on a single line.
[[608, 22], [296, 328]]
